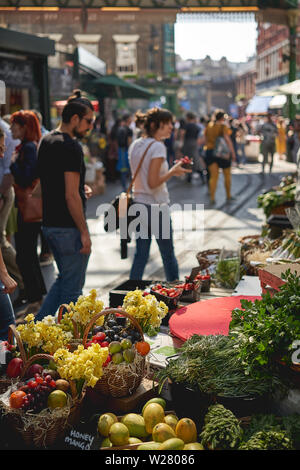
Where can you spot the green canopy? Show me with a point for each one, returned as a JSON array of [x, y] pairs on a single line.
[[112, 86]]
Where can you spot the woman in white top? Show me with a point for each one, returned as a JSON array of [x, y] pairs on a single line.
[[150, 192]]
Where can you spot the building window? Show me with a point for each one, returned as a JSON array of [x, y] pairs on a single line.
[[126, 58], [126, 54]]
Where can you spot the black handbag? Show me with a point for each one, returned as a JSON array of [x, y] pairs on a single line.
[[121, 203]]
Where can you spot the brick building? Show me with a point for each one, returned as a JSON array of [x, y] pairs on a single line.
[[136, 44], [273, 55], [246, 80]]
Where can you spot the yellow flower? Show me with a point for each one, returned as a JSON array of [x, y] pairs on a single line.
[[147, 310], [82, 363], [85, 309], [43, 336]]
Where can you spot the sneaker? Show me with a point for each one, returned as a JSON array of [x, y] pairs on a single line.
[[231, 199], [20, 301], [46, 259]]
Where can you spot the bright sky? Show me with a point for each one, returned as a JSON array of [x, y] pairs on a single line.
[[236, 40]]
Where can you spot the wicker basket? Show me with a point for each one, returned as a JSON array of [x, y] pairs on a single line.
[[76, 341], [123, 379], [203, 260], [5, 381], [44, 428]]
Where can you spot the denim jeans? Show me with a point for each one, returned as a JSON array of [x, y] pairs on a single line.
[[7, 316], [165, 245], [65, 244]]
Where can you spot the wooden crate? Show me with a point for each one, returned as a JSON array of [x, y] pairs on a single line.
[[270, 276], [126, 404]]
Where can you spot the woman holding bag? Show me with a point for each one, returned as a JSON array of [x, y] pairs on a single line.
[[25, 126], [150, 190], [215, 129]]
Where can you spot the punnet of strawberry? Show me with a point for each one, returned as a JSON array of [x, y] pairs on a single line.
[[186, 162], [171, 292]]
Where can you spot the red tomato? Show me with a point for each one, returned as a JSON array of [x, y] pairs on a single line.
[[16, 399], [142, 347]]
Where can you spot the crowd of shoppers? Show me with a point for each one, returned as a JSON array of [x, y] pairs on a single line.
[[30, 155]]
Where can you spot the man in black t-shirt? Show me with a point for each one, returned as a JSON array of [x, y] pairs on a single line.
[[61, 170]]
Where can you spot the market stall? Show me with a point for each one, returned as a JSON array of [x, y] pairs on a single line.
[[210, 362]]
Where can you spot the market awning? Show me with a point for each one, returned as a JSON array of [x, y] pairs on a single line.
[[258, 105], [277, 101], [26, 43], [269, 92], [88, 62], [114, 87], [292, 88]]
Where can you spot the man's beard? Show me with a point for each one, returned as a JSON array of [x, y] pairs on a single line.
[[78, 135]]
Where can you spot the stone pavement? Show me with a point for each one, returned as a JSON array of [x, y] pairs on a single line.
[[223, 224]]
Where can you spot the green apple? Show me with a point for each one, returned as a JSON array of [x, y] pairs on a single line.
[[129, 355], [126, 344], [114, 347], [117, 358]]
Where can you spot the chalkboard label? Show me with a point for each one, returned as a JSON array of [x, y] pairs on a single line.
[[83, 437], [79, 440]]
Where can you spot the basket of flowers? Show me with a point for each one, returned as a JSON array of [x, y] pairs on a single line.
[[125, 365], [40, 408], [78, 316], [147, 310], [25, 341]]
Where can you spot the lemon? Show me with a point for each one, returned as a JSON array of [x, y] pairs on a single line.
[[57, 399]]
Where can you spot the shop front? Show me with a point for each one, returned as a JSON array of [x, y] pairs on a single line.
[[24, 70]]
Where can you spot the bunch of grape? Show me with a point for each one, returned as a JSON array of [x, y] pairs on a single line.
[[37, 391]]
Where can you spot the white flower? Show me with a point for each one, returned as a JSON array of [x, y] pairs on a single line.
[[49, 320], [251, 339]]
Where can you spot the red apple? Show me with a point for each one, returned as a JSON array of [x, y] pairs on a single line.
[[14, 367], [34, 369]]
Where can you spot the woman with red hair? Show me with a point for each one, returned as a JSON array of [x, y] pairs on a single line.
[[25, 126]]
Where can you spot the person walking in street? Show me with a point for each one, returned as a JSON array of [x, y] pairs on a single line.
[[61, 170], [216, 129], [7, 286], [281, 138], [191, 143], [25, 126], [124, 136], [150, 190], [46, 256], [268, 131], [241, 134], [7, 197]]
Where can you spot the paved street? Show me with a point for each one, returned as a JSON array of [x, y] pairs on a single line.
[[223, 225]]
